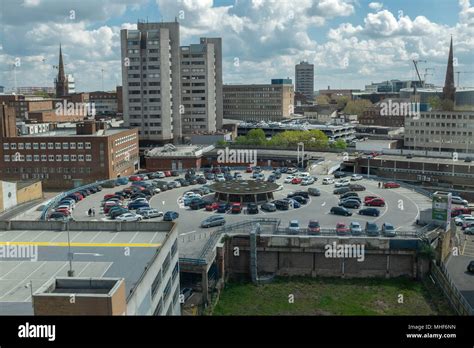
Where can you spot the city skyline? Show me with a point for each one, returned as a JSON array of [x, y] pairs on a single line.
[[350, 43]]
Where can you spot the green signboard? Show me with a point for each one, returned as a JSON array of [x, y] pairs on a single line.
[[442, 207]]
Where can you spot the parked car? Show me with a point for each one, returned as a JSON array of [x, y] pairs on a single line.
[[113, 213], [238, 176], [277, 174], [388, 230], [289, 179], [120, 181], [313, 227], [135, 178], [294, 226], [340, 174], [220, 178], [57, 216], [351, 199], [342, 229], [356, 177], [307, 181], [459, 211], [170, 216], [298, 193], [300, 199], [355, 228], [376, 202], [342, 183], [340, 211], [371, 229], [459, 220], [292, 203], [129, 217], [292, 170], [212, 221], [252, 208], [313, 191], [212, 206], [236, 208], [281, 204], [349, 194], [271, 178], [174, 173], [350, 203], [458, 200], [296, 181], [369, 212], [470, 267], [391, 184], [328, 181], [369, 198], [136, 205], [249, 169], [469, 230], [270, 207], [356, 187], [341, 190], [198, 203], [223, 208]]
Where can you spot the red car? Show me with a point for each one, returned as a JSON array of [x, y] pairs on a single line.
[[249, 170], [78, 195], [135, 178], [110, 195], [236, 208], [369, 198], [391, 185], [212, 206], [167, 173], [65, 211], [341, 228], [376, 202], [296, 181], [458, 211]]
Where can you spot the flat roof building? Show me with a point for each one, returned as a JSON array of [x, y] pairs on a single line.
[[304, 79], [261, 102]]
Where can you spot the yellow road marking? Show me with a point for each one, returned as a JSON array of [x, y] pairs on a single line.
[[102, 245]]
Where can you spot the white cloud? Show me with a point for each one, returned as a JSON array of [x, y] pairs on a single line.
[[377, 6]]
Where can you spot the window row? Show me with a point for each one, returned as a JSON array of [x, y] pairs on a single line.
[[44, 146], [47, 158]]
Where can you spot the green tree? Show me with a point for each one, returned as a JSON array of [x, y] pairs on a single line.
[[342, 102], [357, 107], [339, 144], [322, 99], [447, 105], [256, 137], [435, 103]]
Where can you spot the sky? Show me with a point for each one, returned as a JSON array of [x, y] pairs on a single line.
[[350, 42]]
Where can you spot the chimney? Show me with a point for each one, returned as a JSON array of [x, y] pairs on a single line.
[[86, 128]]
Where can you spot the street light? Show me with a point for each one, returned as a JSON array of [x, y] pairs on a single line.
[[70, 272], [301, 144]]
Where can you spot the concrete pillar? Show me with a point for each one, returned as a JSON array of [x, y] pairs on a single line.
[[205, 287], [387, 274]]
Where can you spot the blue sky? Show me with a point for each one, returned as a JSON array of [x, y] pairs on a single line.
[[351, 42]]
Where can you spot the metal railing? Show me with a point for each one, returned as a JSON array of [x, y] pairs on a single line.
[[456, 298]]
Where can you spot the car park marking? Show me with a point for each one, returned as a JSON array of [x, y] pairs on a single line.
[[101, 245]]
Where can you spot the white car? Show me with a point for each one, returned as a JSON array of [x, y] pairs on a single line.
[[288, 179], [458, 200], [328, 181], [307, 181], [458, 220], [189, 193], [129, 217], [220, 178], [178, 184], [303, 175], [160, 175], [292, 170], [151, 213], [343, 183], [140, 199], [156, 190], [294, 226], [356, 177]]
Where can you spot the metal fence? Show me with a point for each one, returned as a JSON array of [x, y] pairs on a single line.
[[456, 299]]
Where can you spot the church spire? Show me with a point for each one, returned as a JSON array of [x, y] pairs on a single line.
[[449, 89], [61, 80]]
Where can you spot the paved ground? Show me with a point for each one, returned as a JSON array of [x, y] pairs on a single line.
[[45, 256], [402, 208]]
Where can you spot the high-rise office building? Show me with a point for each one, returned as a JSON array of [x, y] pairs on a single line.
[[304, 79], [151, 81], [199, 86]]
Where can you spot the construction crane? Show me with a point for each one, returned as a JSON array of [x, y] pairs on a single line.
[[415, 63], [463, 72]]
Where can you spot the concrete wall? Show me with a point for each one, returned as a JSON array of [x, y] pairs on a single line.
[[305, 256], [29, 193], [8, 195]]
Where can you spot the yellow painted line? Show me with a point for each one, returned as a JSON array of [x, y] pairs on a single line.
[[101, 245]]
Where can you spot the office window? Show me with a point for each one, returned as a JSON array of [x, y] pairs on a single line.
[[13, 146], [88, 158], [88, 145], [21, 146], [73, 158], [50, 146], [29, 158], [59, 158], [35, 146], [6, 146], [65, 146], [44, 158], [28, 146], [6, 158], [80, 146], [36, 158], [66, 158], [43, 146], [80, 157], [51, 158], [57, 146], [72, 146]]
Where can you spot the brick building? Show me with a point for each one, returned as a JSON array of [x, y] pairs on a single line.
[[67, 157]]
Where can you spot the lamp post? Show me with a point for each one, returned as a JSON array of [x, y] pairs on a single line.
[[70, 272]]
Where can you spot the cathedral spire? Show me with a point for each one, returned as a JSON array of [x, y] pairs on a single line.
[[449, 89]]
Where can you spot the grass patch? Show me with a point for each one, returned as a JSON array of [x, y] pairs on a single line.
[[333, 296]]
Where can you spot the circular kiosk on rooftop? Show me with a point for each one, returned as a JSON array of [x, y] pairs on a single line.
[[244, 191]]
